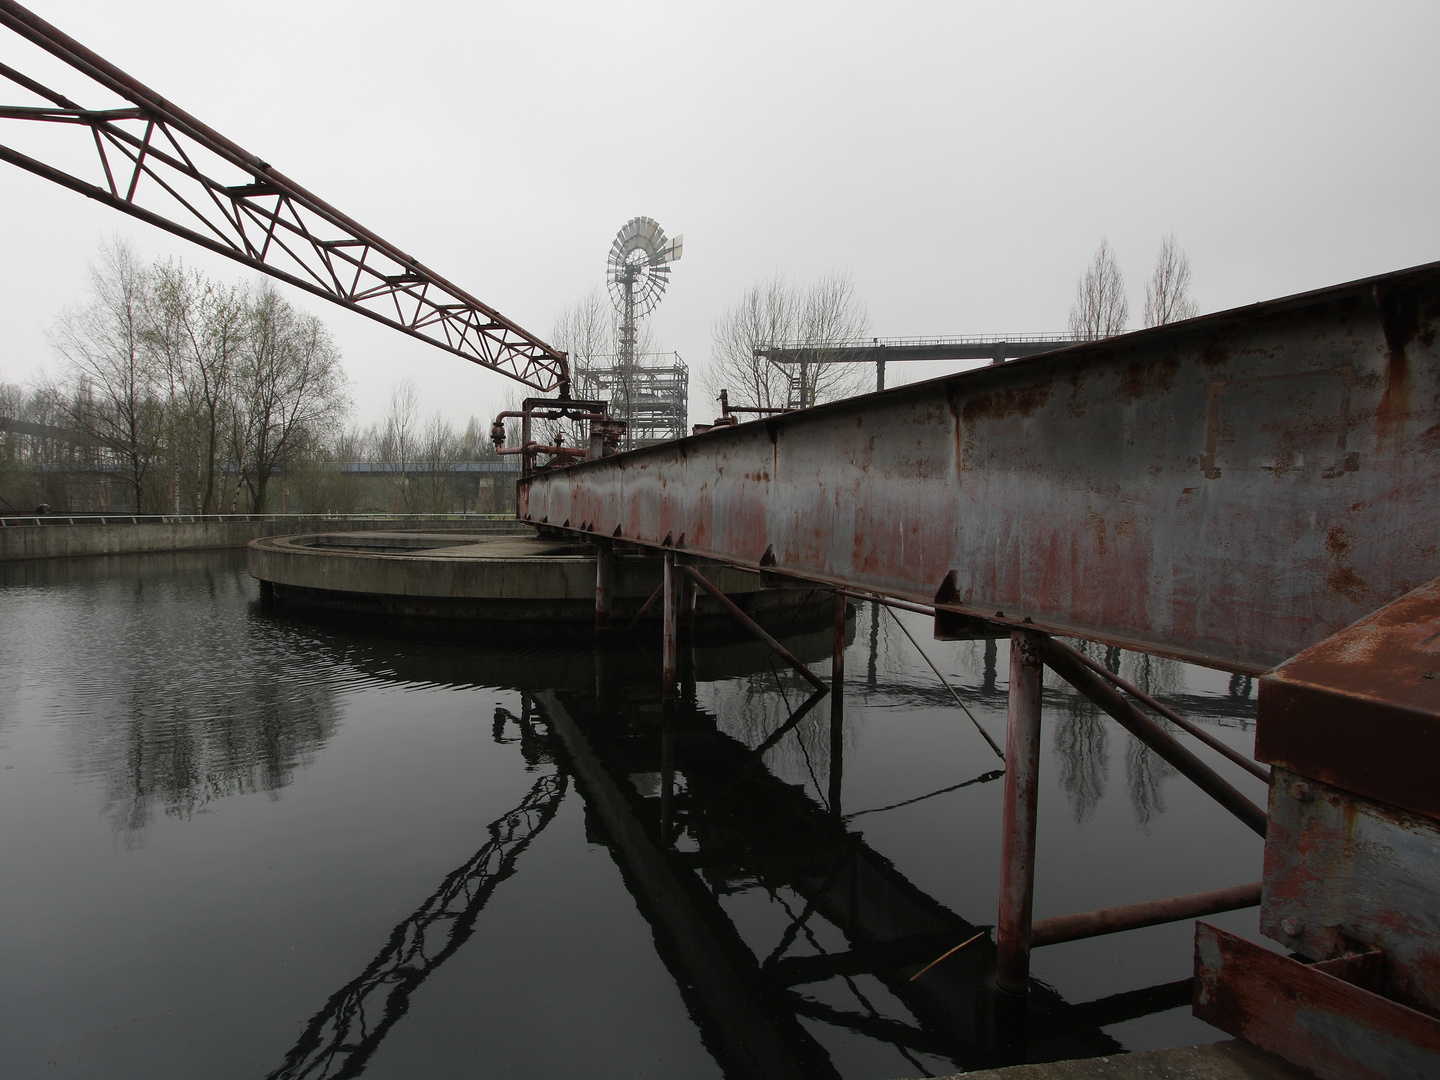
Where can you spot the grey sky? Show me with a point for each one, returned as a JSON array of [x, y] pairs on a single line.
[[963, 161]]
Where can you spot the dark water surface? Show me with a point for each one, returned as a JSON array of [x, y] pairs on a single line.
[[239, 843]]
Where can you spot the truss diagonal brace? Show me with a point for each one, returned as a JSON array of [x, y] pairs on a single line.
[[307, 242]]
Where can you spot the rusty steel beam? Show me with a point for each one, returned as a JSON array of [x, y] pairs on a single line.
[[1228, 490], [156, 162], [1309, 1015], [1114, 920]]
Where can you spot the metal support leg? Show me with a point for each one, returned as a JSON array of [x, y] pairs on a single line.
[[604, 569], [837, 705], [669, 649], [688, 594], [1022, 769]]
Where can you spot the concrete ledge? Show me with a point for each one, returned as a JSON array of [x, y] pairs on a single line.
[[475, 576], [1219, 1061], [59, 536]]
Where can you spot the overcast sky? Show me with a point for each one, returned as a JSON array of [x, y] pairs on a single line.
[[961, 161]]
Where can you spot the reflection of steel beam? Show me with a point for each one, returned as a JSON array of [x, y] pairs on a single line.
[[759, 1036], [764, 828], [1230, 489], [340, 1038]]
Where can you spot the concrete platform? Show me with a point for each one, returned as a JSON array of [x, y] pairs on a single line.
[[1219, 1061], [479, 577]]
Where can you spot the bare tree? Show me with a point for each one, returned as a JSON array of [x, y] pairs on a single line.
[[1100, 309], [292, 389], [441, 449], [198, 327], [113, 377], [585, 330], [813, 319], [1167, 293]]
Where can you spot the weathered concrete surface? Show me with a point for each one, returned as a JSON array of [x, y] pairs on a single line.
[[474, 576], [1220, 1061], [59, 536]]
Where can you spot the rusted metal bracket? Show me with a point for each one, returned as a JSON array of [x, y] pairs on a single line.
[[1309, 1015]]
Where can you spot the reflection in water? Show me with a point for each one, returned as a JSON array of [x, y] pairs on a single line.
[[1082, 736], [791, 939], [167, 682], [1082, 744], [695, 817], [849, 930], [1145, 774], [341, 1038]]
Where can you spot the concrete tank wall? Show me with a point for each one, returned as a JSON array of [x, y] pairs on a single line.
[[60, 537]]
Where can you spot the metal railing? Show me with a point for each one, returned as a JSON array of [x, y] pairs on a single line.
[[30, 520]]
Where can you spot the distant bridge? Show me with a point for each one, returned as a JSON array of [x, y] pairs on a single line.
[[880, 351]]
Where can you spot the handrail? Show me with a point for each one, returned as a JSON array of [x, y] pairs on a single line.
[[30, 520]]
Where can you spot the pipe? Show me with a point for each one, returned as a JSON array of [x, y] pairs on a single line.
[[1022, 788], [1150, 913], [668, 647], [750, 624], [1153, 735]]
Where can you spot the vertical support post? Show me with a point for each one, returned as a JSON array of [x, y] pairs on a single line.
[[604, 572], [879, 375], [837, 705], [1017, 851], [687, 602], [669, 649]]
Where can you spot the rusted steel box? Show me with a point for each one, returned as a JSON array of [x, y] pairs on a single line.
[[1351, 728]]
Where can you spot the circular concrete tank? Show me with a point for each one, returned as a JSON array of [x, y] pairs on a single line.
[[482, 577]]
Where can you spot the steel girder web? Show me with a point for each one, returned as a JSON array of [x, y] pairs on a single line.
[[151, 160], [1228, 490]]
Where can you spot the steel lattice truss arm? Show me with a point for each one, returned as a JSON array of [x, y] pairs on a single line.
[[155, 162], [340, 1038]]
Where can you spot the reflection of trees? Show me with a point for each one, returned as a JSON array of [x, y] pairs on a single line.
[[1082, 745], [1145, 773], [167, 687], [1082, 740], [180, 753]]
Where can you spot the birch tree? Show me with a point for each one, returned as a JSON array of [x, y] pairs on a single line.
[[1167, 293], [1100, 309]]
